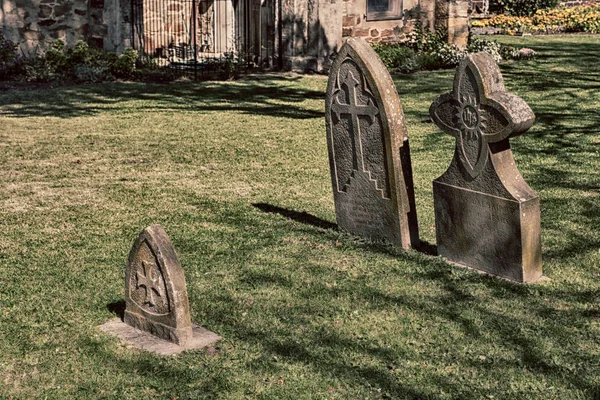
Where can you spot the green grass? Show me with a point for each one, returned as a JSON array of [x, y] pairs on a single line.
[[237, 173]]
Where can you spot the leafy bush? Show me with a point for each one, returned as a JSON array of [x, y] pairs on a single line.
[[55, 58], [429, 61], [448, 55], [428, 51], [397, 57], [97, 72], [35, 69], [79, 63], [422, 49], [155, 75], [8, 56], [124, 66], [525, 8]]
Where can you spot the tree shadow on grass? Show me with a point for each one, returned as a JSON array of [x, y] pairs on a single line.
[[272, 96], [302, 217], [283, 333], [305, 218]]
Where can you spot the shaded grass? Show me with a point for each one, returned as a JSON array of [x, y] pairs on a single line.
[[237, 173]]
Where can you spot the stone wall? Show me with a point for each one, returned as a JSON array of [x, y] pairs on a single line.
[[433, 14], [35, 24], [306, 33], [311, 33], [355, 23], [453, 15]]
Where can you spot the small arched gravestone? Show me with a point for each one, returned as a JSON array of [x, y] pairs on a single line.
[[486, 216], [157, 311], [369, 157]]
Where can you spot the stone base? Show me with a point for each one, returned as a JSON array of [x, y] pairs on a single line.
[[179, 336], [496, 235], [542, 279], [145, 341]]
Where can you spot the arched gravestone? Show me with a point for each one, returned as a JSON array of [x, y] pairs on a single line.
[[157, 312], [486, 216], [155, 290], [369, 156]]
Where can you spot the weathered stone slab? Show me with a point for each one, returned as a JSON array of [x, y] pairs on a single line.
[[145, 341], [369, 155], [156, 298], [486, 216]]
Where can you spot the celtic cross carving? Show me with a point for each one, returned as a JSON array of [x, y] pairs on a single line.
[[479, 111]]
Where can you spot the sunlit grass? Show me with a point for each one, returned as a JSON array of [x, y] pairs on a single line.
[[237, 173]]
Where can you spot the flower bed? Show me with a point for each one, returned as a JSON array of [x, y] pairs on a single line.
[[575, 19]]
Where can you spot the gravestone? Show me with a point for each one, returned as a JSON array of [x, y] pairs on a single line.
[[486, 216], [369, 155], [157, 311]]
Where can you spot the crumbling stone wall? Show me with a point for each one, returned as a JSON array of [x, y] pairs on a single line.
[[35, 24]]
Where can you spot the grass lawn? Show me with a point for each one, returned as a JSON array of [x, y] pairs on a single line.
[[237, 173]]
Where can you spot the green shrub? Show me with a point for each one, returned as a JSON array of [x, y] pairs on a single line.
[[124, 66], [397, 57], [422, 49], [35, 69], [429, 50], [525, 8], [155, 75], [429, 61], [97, 72], [55, 58], [508, 52], [8, 57], [448, 55]]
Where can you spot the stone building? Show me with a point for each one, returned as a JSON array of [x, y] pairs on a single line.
[[293, 34]]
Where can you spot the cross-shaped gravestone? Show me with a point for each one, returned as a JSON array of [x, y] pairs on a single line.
[[369, 156], [486, 216]]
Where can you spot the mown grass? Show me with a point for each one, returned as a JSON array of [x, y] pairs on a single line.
[[237, 173]]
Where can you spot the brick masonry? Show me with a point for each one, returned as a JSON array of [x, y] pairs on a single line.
[[450, 14]]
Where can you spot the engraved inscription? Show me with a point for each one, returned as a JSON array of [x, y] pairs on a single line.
[[470, 116], [362, 212], [478, 230]]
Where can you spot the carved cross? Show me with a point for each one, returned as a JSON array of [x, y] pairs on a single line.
[[355, 110], [151, 284], [479, 111]]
